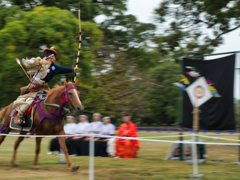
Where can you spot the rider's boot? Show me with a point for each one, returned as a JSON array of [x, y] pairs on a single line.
[[19, 120]]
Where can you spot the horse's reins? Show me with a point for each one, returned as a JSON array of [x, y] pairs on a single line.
[[64, 94], [55, 105], [65, 100]]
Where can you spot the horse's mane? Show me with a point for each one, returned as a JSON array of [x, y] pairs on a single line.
[[55, 89]]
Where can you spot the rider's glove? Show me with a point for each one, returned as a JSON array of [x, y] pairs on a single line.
[[75, 69]]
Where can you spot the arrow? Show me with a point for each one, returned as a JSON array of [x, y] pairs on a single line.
[[146, 81], [18, 61]]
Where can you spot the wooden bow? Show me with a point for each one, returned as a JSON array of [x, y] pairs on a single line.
[[80, 40]]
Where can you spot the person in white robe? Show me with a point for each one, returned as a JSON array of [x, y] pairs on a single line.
[[83, 127], [108, 129], [74, 144], [94, 127]]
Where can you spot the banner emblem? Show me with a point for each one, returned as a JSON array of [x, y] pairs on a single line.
[[199, 92]]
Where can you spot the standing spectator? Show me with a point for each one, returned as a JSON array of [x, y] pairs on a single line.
[[107, 129], [95, 127], [69, 128], [127, 148], [74, 144]]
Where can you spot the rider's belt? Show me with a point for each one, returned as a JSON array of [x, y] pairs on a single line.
[[37, 85]]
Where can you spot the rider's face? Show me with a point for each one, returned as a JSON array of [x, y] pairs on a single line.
[[53, 59]]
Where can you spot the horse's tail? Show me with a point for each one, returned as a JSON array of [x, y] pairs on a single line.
[[3, 114]]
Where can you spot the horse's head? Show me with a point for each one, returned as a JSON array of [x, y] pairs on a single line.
[[72, 96]]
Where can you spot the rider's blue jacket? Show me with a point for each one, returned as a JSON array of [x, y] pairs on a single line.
[[54, 70]]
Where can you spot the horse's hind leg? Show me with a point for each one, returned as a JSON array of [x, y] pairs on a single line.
[[38, 146], [3, 137], [19, 140]]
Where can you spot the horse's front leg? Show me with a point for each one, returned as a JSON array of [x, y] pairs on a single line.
[[19, 140], [37, 151], [65, 150]]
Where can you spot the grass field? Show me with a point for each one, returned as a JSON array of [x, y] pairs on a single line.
[[149, 166]]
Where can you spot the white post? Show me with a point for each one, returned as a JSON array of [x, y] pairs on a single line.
[[62, 155], [91, 157], [194, 155], [62, 158]]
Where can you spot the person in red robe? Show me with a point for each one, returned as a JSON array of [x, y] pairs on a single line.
[[127, 148]]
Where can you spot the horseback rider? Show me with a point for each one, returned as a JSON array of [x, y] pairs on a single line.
[[40, 81]]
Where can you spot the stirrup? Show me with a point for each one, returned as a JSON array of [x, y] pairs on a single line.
[[20, 120]]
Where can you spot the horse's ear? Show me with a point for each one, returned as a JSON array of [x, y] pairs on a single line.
[[75, 84], [65, 82]]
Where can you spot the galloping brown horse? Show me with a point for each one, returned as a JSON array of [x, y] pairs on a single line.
[[48, 126]]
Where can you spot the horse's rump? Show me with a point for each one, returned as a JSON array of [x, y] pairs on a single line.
[[5, 118], [3, 114]]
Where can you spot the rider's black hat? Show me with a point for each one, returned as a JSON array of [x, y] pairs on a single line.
[[50, 51]]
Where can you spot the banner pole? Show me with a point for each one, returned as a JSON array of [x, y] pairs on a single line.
[[239, 118], [204, 55], [194, 138], [181, 158], [194, 156], [237, 63], [238, 163], [195, 174]]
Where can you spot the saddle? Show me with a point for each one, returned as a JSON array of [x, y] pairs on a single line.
[[28, 115]]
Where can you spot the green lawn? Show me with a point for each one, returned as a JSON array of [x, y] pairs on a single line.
[[149, 166]]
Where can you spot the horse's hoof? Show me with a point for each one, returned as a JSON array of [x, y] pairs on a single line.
[[74, 168], [15, 164]]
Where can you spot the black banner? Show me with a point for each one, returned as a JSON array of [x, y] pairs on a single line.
[[216, 113]]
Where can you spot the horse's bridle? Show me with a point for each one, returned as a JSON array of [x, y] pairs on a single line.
[[64, 98], [65, 94]]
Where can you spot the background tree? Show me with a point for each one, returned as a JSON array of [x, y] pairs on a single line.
[[194, 27], [114, 48], [26, 34], [113, 91], [163, 101], [89, 8]]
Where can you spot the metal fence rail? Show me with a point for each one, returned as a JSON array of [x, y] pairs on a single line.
[[92, 136]]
